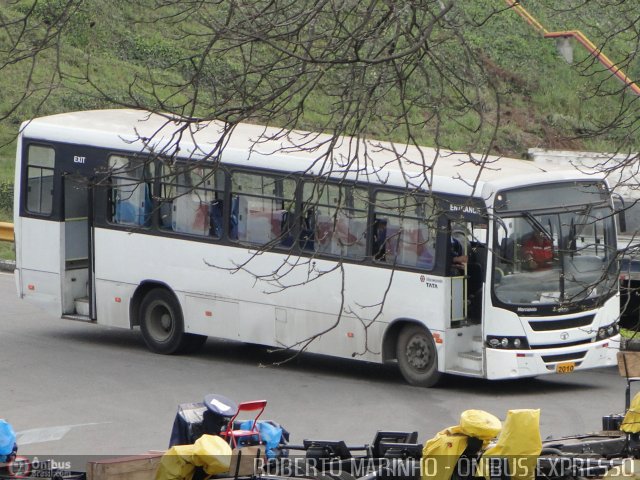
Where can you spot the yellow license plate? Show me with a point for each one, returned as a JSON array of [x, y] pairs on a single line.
[[567, 367]]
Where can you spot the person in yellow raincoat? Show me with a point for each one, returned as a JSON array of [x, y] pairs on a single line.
[[440, 455], [518, 446]]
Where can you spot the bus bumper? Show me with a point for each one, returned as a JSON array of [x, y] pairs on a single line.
[[503, 364]]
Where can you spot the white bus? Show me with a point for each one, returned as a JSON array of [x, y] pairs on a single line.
[[128, 219]]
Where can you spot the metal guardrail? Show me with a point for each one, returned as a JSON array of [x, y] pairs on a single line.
[[580, 38], [6, 232]]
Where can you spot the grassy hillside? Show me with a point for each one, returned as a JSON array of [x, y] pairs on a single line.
[[130, 53], [544, 102]]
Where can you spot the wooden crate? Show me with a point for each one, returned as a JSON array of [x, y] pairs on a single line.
[[629, 363], [137, 467]]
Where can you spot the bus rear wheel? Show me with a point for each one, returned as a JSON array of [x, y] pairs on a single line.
[[417, 356], [162, 325]]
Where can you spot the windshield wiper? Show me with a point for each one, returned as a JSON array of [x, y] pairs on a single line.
[[537, 225]]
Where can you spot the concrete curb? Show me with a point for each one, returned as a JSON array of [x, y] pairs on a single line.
[[7, 265]]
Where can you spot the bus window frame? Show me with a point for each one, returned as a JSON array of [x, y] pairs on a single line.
[[109, 187], [434, 227], [55, 213], [159, 181], [340, 183], [273, 244]]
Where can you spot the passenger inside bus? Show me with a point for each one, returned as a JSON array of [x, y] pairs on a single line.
[[379, 239], [215, 218], [458, 258], [307, 230]]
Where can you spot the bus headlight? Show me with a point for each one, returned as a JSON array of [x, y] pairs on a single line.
[[507, 343], [607, 331]]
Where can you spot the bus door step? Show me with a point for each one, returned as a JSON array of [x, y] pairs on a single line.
[[79, 318], [470, 361]]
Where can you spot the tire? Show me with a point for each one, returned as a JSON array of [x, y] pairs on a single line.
[[161, 322], [417, 356]]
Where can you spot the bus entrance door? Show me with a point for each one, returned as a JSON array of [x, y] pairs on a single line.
[[469, 243], [77, 277]]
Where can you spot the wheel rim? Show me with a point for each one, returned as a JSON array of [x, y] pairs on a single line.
[[159, 321], [418, 353]]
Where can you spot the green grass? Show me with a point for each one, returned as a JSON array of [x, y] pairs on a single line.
[[626, 333], [7, 168], [7, 251]]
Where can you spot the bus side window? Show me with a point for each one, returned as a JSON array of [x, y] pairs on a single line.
[[258, 214], [189, 200], [408, 236], [131, 200], [335, 218]]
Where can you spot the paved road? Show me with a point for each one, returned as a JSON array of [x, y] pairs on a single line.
[[95, 390]]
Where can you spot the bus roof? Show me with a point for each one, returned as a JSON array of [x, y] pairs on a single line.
[[273, 148]]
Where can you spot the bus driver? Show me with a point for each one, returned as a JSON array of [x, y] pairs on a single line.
[[537, 251]]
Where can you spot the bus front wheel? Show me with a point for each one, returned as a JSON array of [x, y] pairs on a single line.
[[417, 356], [162, 325]]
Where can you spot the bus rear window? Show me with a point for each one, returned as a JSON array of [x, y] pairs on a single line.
[[40, 168]]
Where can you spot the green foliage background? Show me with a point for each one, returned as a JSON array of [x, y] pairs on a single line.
[[544, 101]]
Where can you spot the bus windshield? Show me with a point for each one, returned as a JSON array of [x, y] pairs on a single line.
[[554, 256]]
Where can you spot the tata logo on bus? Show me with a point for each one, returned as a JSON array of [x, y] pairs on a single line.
[[429, 283], [77, 159]]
